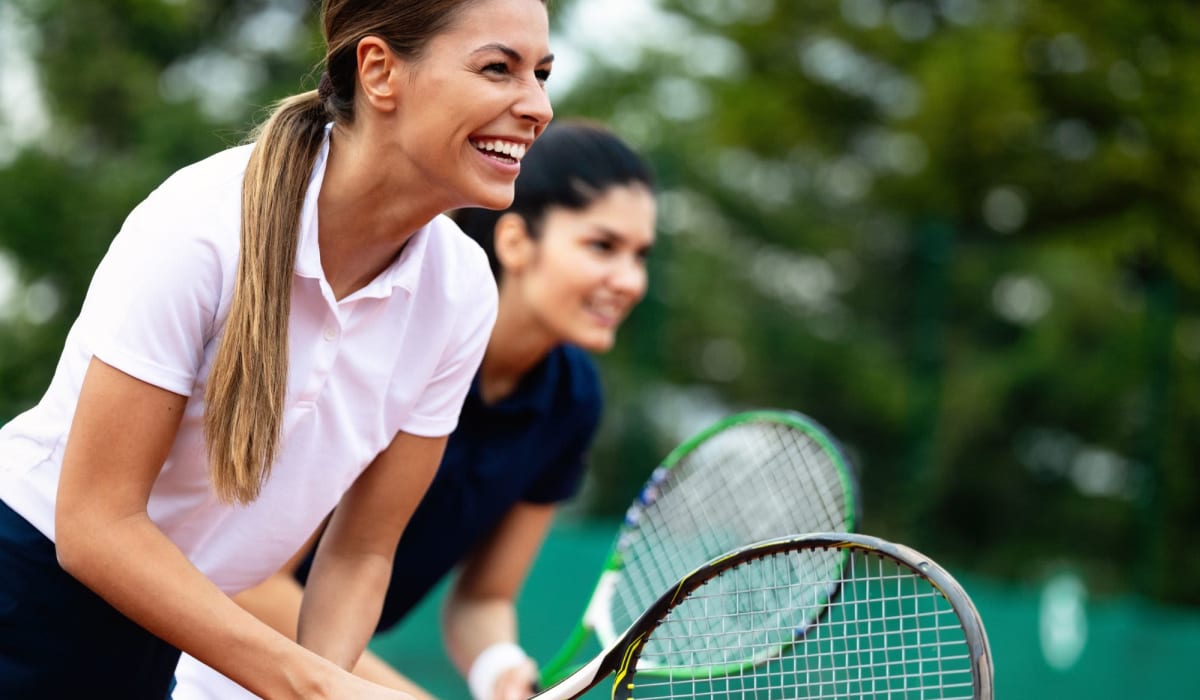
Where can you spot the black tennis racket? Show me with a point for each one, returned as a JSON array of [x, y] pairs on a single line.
[[758, 624], [749, 477]]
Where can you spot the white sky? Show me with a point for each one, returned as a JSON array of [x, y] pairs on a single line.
[[22, 115], [611, 30]]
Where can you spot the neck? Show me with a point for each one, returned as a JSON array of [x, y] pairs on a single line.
[[362, 223], [517, 344]]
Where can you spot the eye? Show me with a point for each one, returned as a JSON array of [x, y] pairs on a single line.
[[602, 245], [497, 68], [542, 75]]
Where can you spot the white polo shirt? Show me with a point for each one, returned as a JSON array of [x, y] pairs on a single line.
[[397, 355]]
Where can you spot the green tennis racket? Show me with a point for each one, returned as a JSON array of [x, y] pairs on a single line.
[[758, 624], [749, 477]]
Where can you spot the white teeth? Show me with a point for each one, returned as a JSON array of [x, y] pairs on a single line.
[[513, 150], [605, 309]]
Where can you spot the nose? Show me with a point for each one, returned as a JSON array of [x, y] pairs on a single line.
[[534, 106], [629, 277]]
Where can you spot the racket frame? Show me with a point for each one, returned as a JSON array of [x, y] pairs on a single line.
[[620, 658], [596, 620]]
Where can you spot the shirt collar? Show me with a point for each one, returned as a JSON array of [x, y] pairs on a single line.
[[535, 392], [402, 273]]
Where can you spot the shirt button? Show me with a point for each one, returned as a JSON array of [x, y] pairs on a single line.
[[330, 333]]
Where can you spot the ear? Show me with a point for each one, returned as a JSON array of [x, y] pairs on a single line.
[[514, 246], [377, 69]]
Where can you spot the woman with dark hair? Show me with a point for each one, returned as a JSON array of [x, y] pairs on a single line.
[[569, 256], [283, 330]]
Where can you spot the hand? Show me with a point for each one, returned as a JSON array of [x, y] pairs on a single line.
[[516, 683]]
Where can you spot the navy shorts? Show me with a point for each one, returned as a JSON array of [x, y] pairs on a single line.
[[58, 639]]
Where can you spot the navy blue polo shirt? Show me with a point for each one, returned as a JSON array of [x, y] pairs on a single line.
[[527, 447]]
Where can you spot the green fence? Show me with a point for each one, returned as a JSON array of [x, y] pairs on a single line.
[[1048, 641]]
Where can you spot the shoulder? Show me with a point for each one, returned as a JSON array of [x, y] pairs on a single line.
[[215, 181], [455, 265], [198, 206], [180, 243], [448, 244]]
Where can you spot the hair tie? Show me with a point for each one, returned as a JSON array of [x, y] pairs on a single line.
[[325, 87]]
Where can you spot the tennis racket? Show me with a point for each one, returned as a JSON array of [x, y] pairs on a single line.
[[758, 624], [749, 477]]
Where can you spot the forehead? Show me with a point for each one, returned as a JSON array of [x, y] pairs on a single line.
[[520, 24], [627, 211]]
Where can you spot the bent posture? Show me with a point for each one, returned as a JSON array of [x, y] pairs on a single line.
[[283, 330], [570, 258]]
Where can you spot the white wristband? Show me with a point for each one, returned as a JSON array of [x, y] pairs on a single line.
[[488, 666]]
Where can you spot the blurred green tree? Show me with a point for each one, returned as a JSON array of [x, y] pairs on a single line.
[[131, 90], [960, 233]]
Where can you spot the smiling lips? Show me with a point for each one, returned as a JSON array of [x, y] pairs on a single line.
[[503, 151], [609, 313]]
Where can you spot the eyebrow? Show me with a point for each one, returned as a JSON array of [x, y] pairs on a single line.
[[613, 233], [511, 52]]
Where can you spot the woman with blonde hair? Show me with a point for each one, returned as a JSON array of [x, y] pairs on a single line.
[[279, 332], [570, 260]]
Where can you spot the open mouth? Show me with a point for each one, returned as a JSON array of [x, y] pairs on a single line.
[[503, 151]]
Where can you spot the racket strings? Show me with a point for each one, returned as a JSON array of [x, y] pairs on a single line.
[[764, 630], [747, 506], [745, 484]]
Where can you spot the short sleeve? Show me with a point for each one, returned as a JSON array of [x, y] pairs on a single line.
[[152, 305], [436, 412]]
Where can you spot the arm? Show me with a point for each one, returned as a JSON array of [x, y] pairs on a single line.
[[480, 610], [376, 670], [277, 602], [121, 435], [352, 567]]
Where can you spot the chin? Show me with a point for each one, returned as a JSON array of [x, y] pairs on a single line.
[[595, 343], [493, 197]]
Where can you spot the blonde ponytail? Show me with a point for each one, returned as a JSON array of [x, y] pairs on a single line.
[[248, 382], [244, 400]]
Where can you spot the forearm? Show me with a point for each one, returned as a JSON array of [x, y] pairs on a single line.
[[479, 620], [481, 636], [376, 670], [275, 601], [472, 625], [342, 602], [131, 564], [352, 567]]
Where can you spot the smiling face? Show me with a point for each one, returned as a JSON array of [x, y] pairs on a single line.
[[473, 102], [586, 270]]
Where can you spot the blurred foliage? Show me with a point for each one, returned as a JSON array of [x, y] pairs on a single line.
[[962, 234]]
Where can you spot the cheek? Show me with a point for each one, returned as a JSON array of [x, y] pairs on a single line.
[[559, 288], [566, 268], [559, 291]]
